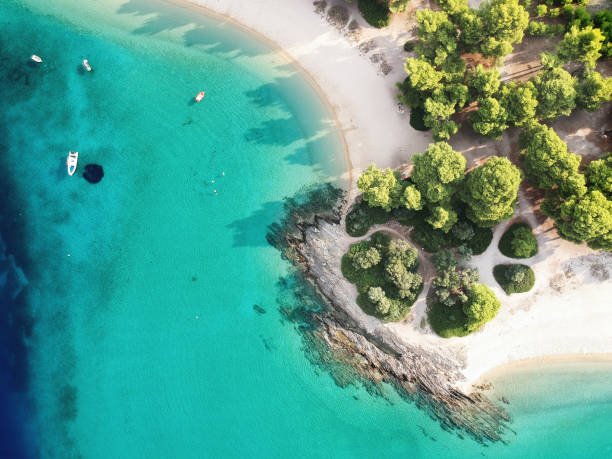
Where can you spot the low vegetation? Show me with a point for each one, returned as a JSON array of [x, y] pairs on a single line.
[[385, 273], [518, 241], [378, 13], [514, 278]]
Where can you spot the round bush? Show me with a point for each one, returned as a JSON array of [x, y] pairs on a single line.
[[408, 46], [514, 278], [374, 13], [518, 242]]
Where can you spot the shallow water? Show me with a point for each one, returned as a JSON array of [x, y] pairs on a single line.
[[145, 341]]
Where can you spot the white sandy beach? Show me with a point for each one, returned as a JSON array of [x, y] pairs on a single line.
[[568, 311]]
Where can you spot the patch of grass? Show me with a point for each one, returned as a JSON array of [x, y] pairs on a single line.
[[446, 321], [361, 217], [375, 14], [481, 240], [514, 278], [518, 242]]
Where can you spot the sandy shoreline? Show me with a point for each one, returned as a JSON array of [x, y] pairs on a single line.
[[363, 99], [566, 313]]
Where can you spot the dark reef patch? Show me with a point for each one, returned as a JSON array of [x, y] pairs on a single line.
[[93, 173]]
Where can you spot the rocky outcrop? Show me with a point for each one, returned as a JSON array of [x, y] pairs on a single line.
[[376, 354]]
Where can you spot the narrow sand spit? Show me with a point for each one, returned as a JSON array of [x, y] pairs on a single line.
[[569, 309]]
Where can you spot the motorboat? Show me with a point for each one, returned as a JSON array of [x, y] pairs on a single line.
[[86, 65], [200, 96], [71, 161], [36, 58]]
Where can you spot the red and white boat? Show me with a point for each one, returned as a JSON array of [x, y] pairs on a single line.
[[200, 96], [36, 58], [71, 161]]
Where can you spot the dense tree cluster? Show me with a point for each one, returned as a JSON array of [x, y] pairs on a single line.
[[385, 272], [579, 201], [441, 193], [459, 304], [439, 85]]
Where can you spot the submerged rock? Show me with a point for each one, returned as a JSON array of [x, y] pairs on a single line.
[[258, 309], [93, 173]]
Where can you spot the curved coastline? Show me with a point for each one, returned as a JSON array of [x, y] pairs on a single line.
[[475, 364], [296, 63]]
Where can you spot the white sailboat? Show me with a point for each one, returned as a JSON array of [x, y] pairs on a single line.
[[36, 58], [86, 65]]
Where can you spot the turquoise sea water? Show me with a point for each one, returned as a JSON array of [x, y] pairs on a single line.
[[142, 340]]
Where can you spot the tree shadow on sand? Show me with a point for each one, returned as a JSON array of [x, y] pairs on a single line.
[[216, 37]]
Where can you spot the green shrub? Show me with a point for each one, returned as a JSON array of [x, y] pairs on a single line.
[[375, 14], [518, 242], [554, 12], [480, 241], [408, 46], [541, 10], [417, 121], [361, 217], [514, 278], [384, 272], [447, 321]]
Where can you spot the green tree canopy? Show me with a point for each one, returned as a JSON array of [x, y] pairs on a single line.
[[555, 93], [438, 36], [505, 22], [442, 218], [365, 259], [453, 7], [519, 101], [592, 90], [587, 218], [490, 119], [411, 198], [423, 76], [472, 29], [483, 83], [481, 306], [581, 44], [599, 175], [545, 157], [490, 191], [380, 188], [438, 172]]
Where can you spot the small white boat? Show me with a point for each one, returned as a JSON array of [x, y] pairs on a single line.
[[200, 96], [36, 58], [86, 65], [71, 161]]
